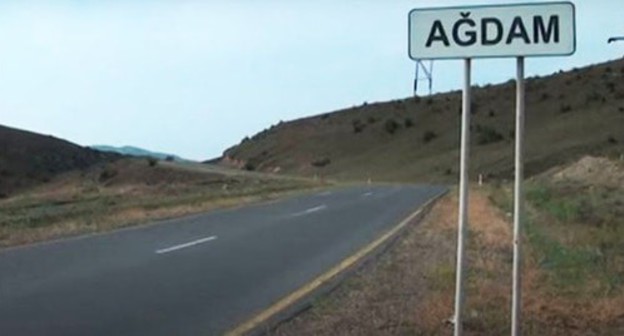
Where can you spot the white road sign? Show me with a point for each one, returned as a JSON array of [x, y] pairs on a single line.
[[539, 29]]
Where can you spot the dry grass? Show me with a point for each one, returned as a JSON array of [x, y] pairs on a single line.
[[410, 289], [79, 203]]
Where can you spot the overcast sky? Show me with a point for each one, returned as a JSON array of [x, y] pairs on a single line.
[[195, 77]]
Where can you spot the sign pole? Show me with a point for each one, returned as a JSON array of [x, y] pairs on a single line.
[[462, 229], [516, 308]]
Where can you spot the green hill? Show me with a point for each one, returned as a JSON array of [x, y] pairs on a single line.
[[28, 159], [569, 114]]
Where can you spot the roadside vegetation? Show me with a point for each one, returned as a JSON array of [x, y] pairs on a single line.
[[573, 275], [130, 192]]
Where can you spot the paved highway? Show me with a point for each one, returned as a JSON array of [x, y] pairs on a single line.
[[198, 275]]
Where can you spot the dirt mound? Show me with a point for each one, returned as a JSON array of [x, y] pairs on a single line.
[[28, 159], [594, 171]]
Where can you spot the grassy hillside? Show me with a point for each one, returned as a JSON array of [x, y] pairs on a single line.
[[28, 159], [569, 114]]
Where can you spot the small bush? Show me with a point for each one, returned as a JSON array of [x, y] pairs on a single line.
[[391, 126], [169, 158], [491, 114], [321, 162], [249, 166], [107, 174], [152, 162], [566, 108], [544, 96], [594, 96], [408, 123], [428, 136], [358, 126], [371, 120], [612, 140], [487, 135]]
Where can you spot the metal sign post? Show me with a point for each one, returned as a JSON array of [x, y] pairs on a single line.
[[516, 307], [518, 30], [462, 230]]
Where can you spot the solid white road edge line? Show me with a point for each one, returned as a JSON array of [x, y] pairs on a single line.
[[185, 245]]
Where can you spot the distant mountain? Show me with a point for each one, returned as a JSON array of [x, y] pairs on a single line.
[[136, 151], [28, 159]]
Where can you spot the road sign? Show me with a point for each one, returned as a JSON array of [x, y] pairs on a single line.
[[540, 29]]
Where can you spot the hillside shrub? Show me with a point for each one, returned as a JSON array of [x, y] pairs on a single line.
[[107, 174], [321, 162], [487, 135], [428, 136], [249, 166], [372, 120], [152, 162], [408, 123], [358, 126], [391, 126], [169, 158], [544, 96], [565, 108], [594, 96]]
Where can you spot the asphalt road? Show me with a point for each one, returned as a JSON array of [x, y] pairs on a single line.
[[198, 275]]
